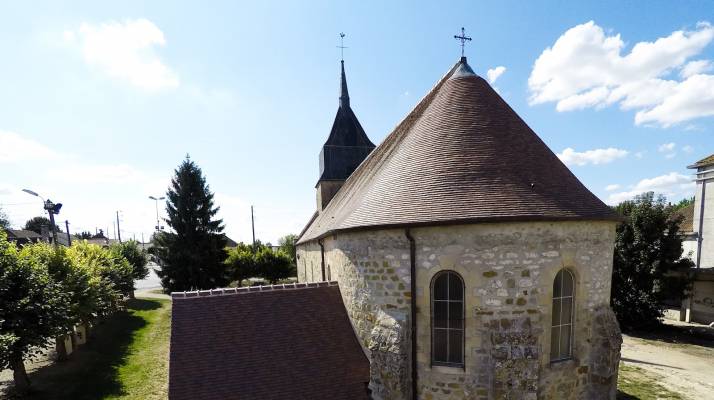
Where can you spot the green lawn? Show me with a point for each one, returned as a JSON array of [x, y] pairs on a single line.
[[634, 383], [126, 358]]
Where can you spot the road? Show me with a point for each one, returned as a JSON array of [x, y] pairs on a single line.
[[684, 368]]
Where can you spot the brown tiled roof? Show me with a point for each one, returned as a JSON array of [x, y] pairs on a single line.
[[704, 162], [687, 224], [271, 342], [462, 155]]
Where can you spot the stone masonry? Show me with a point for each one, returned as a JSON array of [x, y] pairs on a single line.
[[508, 270]]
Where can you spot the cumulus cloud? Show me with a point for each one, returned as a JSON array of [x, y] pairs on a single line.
[[688, 149], [125, 51], [612, 187], [671, 185], [696, 67], [597, 156], [16, 148], [494, 73], [663, 148], [586, 68]]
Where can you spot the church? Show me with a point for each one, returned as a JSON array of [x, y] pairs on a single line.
[[458, 259], [472, 263]]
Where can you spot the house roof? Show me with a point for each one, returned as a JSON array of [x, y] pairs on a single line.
[[347, 144], [704, 162], [271, 342], [22, 234], [461, 155], [687, 224]]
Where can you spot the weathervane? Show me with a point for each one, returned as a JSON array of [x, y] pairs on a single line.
[[463, 38], [342, 46]]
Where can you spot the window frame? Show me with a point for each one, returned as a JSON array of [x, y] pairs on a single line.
[[566, 272], [432, 300]]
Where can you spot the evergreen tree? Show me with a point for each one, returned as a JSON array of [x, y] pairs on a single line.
[[648, 266], [192, 255]]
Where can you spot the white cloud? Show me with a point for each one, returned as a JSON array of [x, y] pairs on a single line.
[[671, 185], [125, 51], [494, 73], [612, 187], [16, 148], [586, 68], [639, 155], [687, 149], [663, 148], [696, 67], [597, 156]]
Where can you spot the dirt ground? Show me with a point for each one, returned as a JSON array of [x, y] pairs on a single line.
[[683, 361]]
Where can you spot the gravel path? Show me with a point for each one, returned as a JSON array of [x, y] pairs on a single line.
[[684, 368]]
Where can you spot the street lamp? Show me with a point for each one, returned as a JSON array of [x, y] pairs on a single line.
[[158, 222], [51, 208]]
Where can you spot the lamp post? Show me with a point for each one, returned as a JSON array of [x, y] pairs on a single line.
[[52, 209], [156, 202]]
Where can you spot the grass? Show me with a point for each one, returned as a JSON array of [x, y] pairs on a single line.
[[125, 358], [634, 383]]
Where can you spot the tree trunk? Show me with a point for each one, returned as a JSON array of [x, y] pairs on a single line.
[[61, 348], [132, 295], [22, 382]]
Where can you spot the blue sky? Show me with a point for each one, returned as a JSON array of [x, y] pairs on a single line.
[[100, 102]]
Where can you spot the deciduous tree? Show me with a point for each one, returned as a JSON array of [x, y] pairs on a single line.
[[648, 264], [34, 310]]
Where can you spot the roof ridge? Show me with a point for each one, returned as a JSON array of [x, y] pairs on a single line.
[[250, 289]]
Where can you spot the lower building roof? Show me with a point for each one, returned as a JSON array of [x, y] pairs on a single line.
[[270, 342]]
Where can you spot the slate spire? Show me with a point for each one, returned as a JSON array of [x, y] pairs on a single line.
[[344, 94], [345, 148]]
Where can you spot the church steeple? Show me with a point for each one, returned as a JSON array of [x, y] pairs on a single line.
[[345, 148], [344, 94]]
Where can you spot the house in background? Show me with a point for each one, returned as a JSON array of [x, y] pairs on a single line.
[[22, 236], [698, 230]]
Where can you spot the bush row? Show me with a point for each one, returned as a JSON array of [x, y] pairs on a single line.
[[46, 291]]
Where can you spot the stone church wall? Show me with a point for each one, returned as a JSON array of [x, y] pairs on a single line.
[[508, 269]]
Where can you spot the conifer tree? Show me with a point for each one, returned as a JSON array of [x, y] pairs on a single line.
[[192, 255]]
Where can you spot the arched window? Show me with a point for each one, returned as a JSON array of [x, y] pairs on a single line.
[[447, 319], [561, 333]]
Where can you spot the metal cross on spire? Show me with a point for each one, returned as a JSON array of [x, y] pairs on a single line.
[[342, 46], [463, 38]]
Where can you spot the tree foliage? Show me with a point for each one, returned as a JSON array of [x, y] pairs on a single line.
[[248, 261], [137, 257], [240, 263], [4, 220], [192, 255], [83, 235], [287, 246], [648, 251], [34, 309], [36, 223], [683, 203]]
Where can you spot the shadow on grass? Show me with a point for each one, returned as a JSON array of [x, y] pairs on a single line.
[[624, 396], [91, 371], [701, 336]]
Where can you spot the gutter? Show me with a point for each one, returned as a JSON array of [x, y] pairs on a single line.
[[412, 283], [322, 256]]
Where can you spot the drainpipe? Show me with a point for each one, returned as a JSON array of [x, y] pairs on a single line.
[[322, 255], [701, 222], [412, 280]]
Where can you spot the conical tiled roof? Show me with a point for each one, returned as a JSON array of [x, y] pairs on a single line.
[[461, 156]]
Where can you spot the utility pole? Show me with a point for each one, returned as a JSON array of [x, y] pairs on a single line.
[[142, 241], [118, 230], [252, 224], [69, 237]]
